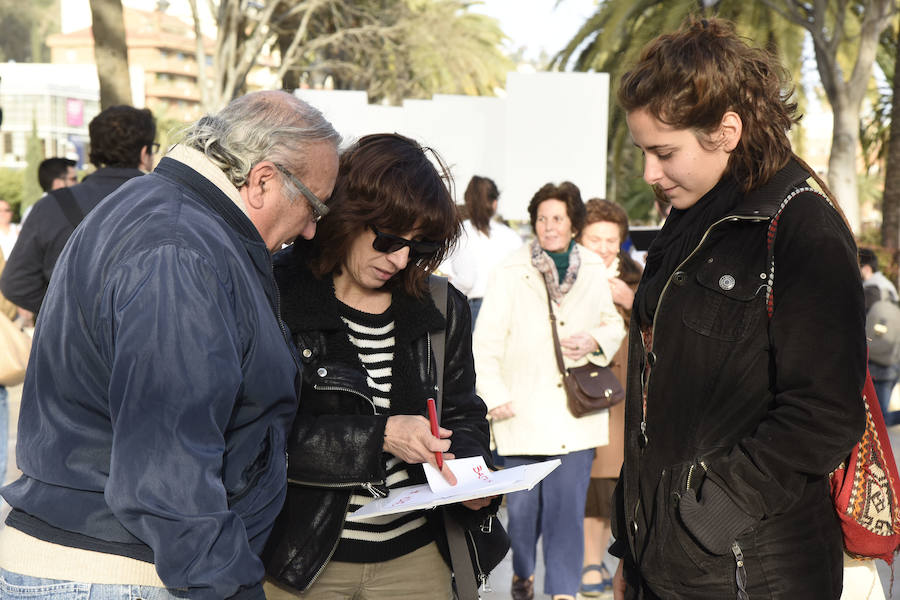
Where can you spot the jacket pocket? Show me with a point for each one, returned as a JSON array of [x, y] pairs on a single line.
[[689, 482], [251, 476], [724, 305]]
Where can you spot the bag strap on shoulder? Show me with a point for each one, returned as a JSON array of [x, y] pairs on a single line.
[[461, 561], [770, 242], [67, 203], [556, 347], [438, 286]]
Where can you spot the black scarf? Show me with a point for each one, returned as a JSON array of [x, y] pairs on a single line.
[[679, 236]]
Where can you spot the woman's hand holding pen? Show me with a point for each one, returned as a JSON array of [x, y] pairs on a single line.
[[408, 437]]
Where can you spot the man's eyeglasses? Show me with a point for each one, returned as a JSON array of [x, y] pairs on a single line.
[[154, 148], [316, 206], [387, 243]]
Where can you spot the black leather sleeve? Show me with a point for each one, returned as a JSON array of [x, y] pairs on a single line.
[[463, 411]]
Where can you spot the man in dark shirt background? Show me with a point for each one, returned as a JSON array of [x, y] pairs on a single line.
[[56, 172], [121, 145]]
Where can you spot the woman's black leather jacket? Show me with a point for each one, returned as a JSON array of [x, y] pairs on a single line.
[[336, 444]]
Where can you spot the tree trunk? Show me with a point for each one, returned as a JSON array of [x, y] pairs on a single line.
[[290, 81], [110, 52], [890, 207], [200, 49], [842, 161]]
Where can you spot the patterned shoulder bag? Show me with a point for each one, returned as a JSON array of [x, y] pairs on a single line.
[[864, 486]]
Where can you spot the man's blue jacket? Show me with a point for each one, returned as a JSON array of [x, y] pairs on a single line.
[[159, 389]]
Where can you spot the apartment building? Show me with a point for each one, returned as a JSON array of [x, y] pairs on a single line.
[[165, 48]]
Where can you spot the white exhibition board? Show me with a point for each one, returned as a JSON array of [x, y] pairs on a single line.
[[549, 127]]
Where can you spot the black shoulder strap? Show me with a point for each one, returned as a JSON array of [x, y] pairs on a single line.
[[770, 243], [439, 295], [66, 200], [461, 560]]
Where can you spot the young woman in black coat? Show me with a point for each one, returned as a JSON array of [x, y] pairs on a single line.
[[734, 418]]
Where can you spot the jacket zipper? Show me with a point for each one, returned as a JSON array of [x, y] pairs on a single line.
[[369, 486], [482, 578], [740, 572], [284, 331], [646, 385], [337, 388], [372, 490], [691, 472], [333, 549]]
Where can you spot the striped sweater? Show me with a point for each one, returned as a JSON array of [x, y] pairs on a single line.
[[390, 536]]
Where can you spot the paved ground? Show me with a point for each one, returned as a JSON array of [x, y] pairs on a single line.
[[500, 579]]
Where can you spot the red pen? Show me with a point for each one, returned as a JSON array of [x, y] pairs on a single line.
[[432, 416]]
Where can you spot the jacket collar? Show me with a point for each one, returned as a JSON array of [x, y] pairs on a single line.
[[765, 200], [211, 195], [199, 162]]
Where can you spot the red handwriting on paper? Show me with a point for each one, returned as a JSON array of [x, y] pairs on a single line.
[[404, 499], [480, 473]]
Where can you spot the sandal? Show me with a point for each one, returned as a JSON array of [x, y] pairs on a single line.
[[595, 590]]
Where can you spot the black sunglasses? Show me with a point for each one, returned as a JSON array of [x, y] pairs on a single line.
[[387, 243]]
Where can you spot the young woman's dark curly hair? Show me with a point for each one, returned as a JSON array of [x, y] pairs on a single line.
[[689, 79], [387, 181]]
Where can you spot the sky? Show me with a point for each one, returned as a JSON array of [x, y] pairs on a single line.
[[538, 24]]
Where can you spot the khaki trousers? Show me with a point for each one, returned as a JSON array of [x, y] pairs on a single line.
[[420, 575]]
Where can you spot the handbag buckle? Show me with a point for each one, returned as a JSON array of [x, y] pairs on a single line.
[[487, 525]]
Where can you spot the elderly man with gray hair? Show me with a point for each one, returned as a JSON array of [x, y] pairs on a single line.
[[162, 380]]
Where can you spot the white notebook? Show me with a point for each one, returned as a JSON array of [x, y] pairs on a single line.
[[474, 480]]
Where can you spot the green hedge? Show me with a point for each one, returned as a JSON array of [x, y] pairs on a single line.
[[11, 185]]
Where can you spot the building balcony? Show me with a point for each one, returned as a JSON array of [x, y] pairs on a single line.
[[177, 92]]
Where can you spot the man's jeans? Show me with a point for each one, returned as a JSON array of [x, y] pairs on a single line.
[[24, 587], [884, 379]]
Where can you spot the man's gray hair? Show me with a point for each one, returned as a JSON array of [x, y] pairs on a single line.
[[267, 125]]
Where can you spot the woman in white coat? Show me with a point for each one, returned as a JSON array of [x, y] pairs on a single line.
[[518, 378], [484, 243]]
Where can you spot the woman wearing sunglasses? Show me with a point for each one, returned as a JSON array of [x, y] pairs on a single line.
[[357, 301]]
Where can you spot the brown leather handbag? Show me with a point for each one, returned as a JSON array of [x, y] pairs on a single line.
[[589, 388]]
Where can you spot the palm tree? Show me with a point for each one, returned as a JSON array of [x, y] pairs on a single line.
[[841, 31], [612, 38], [394, 49]]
